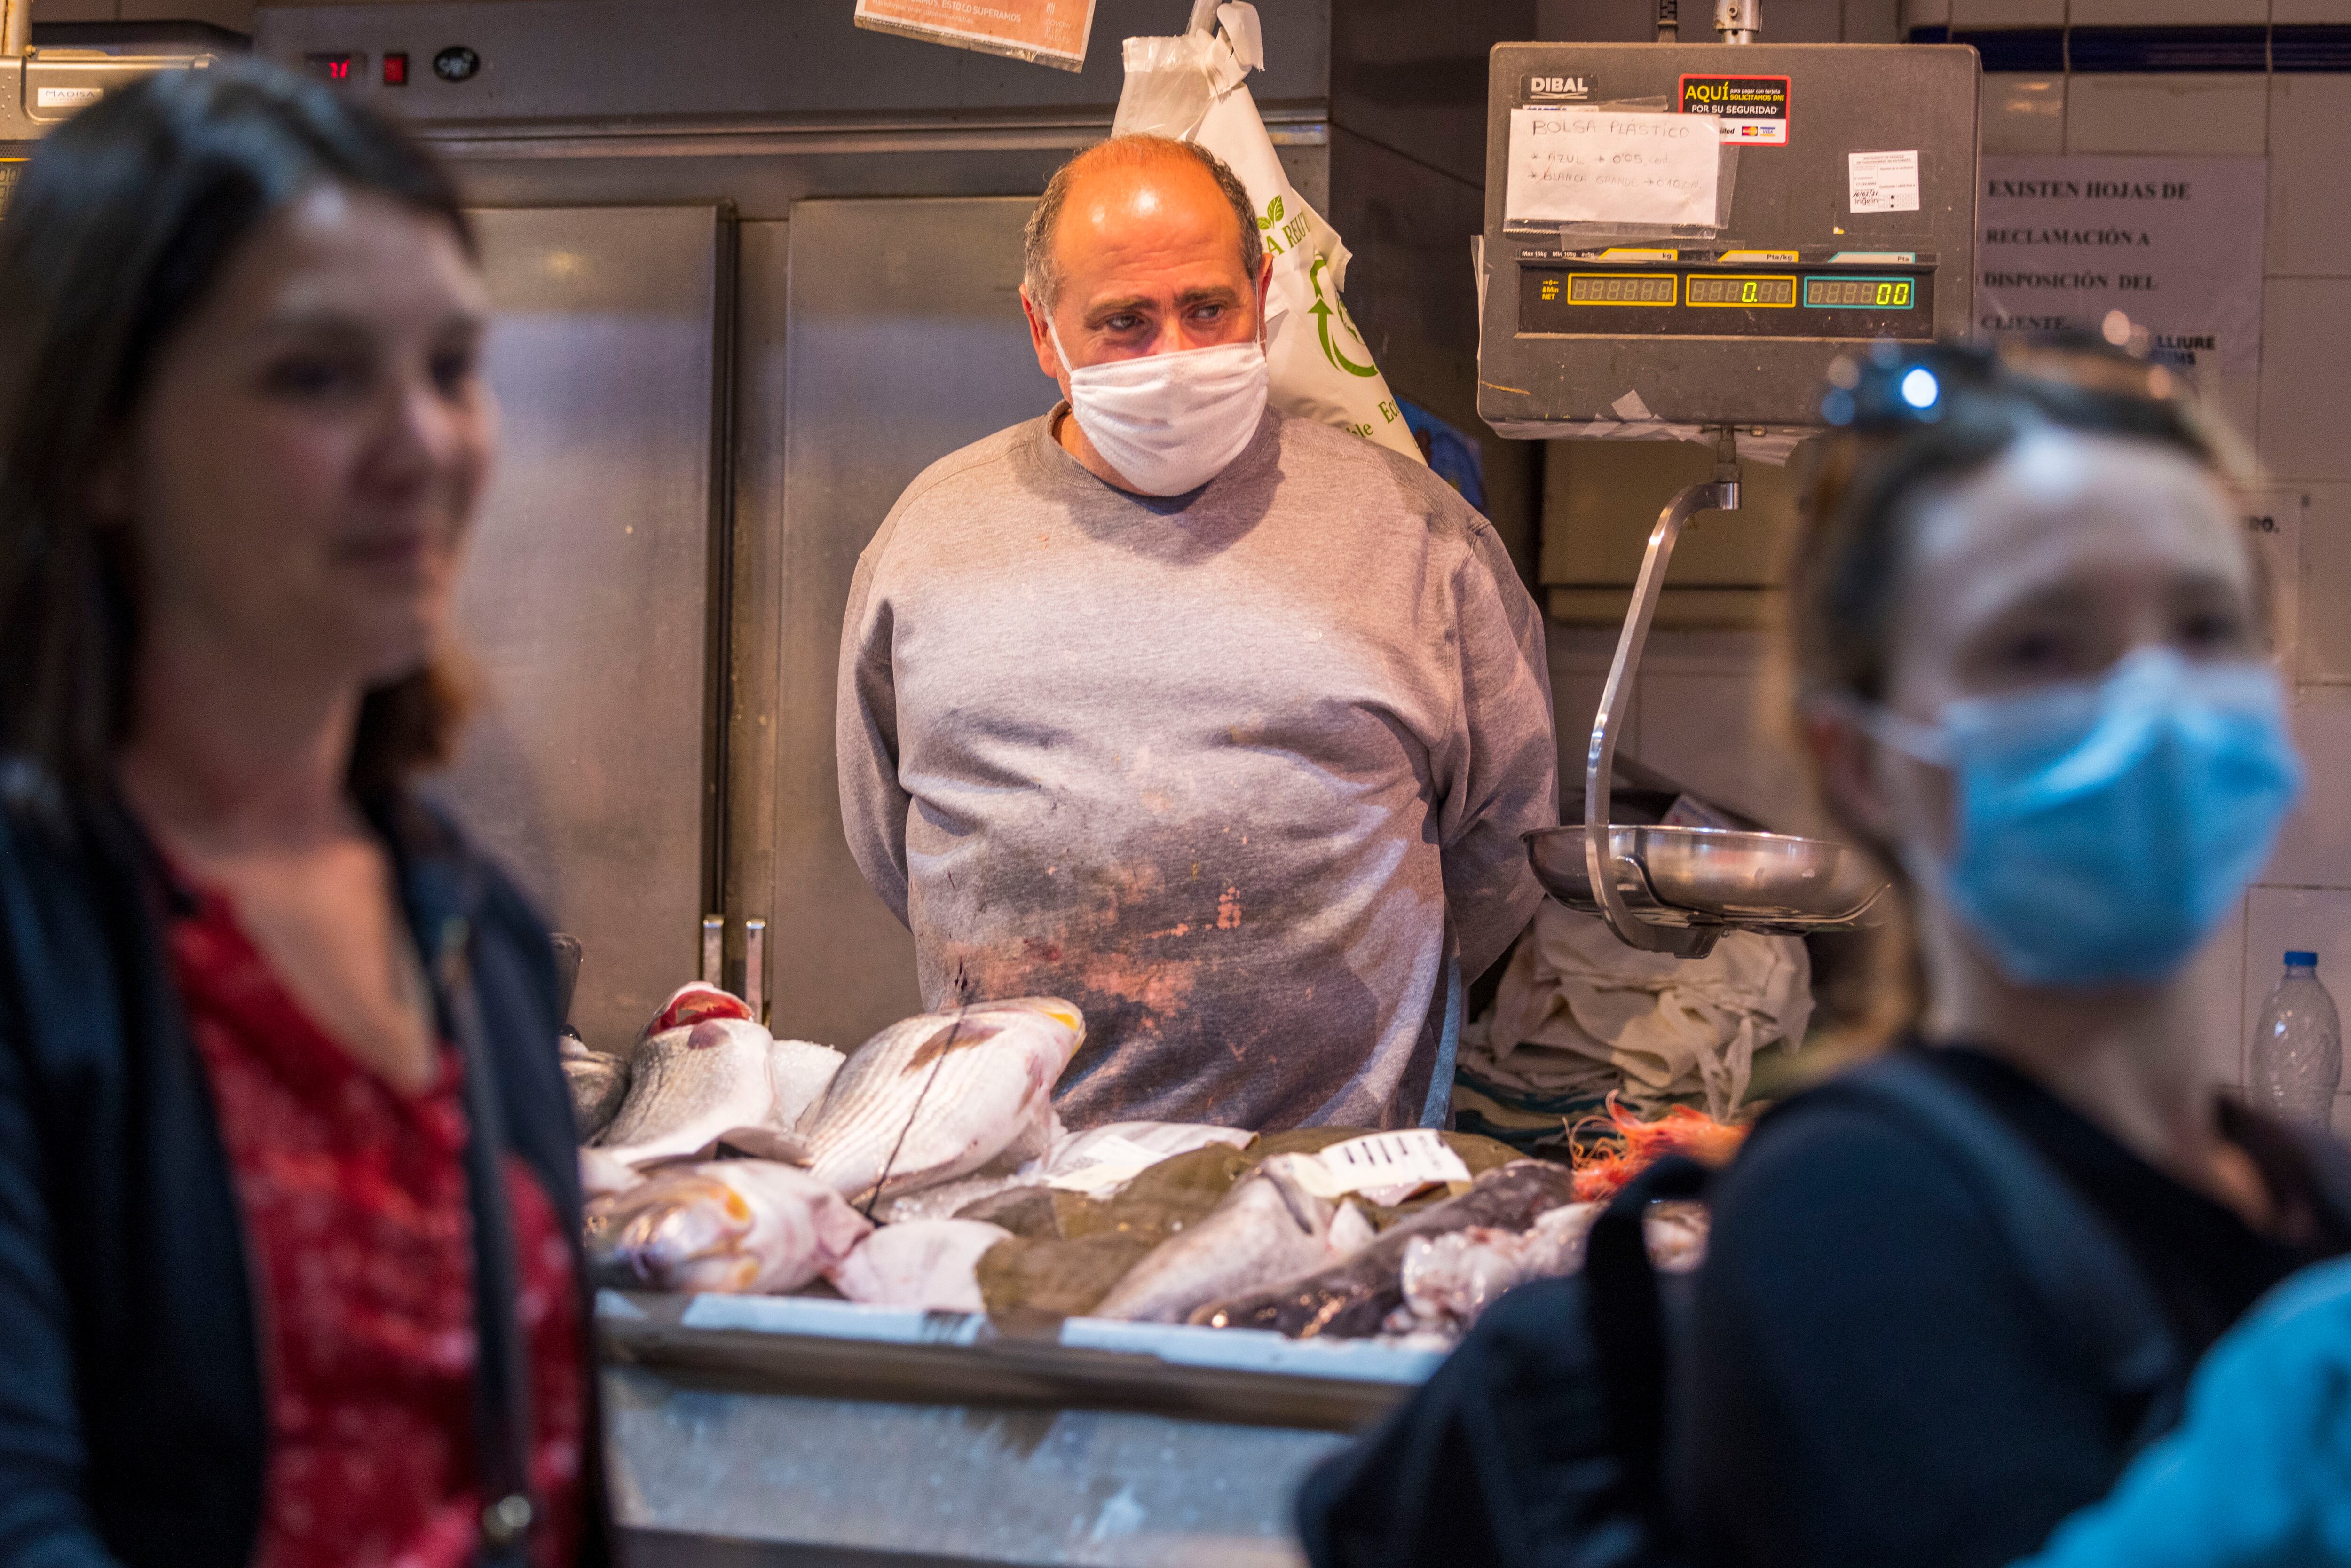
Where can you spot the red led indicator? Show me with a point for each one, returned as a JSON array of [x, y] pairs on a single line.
[[341, 68], [395, 69]]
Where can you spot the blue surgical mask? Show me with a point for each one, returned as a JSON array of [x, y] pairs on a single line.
[[2105, 827]]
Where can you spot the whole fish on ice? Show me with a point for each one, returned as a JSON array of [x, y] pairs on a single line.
[[689, 1084], [740, 1226], [933, 1264], [938, 1096], [1271, 1227], [1355, 1296]]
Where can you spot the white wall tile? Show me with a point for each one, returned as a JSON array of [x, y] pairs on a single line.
[[2007, 13], [2280, 919], [2023, 113], [2314, 850], [2322, 648], [73, 10], [2218, 976], [2216, 113], [2273, 522], [2284, 12], [2305, 323], [2310, 222], [1926, 13], [1579, 672]]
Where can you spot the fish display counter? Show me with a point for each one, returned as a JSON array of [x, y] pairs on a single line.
[[882, 1306], [790, 1430]]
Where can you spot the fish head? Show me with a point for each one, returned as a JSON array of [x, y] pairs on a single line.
[[717, 1033], [678, 1226], [1063, 1017], [695, 1001]]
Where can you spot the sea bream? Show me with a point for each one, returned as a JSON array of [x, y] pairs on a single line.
[[937, 1096], [736, 1226], [687, 1085], [1271, 1227]]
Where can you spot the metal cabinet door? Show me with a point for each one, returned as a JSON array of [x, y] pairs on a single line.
[[585, 602], [903, 339]]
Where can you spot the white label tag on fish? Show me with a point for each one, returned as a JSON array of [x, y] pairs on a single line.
[[1388, 1168], [1113, 1162]]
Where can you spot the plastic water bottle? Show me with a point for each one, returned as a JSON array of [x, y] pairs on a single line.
[[2298, 1049]]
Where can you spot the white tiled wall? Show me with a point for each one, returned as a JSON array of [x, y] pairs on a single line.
[[1700, 694]]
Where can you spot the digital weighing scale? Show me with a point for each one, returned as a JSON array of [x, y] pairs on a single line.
[[1844, 218]]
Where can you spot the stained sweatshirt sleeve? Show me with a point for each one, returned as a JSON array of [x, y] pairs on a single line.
[[1504, 778], [865, 734]]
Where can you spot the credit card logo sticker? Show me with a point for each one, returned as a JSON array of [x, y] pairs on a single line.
[[1752, 110]]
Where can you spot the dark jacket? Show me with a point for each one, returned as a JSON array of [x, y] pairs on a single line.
[[133, 1416], [1874, 1376]]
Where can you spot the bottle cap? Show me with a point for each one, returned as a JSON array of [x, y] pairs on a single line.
[[2297, 957]]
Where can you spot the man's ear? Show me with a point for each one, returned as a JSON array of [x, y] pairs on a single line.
[[1040, 338]]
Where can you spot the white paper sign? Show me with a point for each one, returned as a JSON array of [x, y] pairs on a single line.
[[1388, 1168], [2175, 244], [1111, 1162], [1589, 166], [1882, 181]]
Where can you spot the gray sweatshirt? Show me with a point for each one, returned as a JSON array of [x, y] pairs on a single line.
[[1229, 771]]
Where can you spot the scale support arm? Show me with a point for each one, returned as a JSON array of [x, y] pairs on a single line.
[[1600, 759]]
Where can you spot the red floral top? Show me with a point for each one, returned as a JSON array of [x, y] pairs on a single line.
[[360, 1234]]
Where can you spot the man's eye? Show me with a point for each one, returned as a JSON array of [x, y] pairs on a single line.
[[2214, 631], [1121, 323], [314, 376]]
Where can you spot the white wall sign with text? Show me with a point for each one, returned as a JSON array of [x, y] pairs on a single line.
[[2175, 244]]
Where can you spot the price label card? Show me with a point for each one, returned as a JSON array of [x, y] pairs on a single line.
[[1882, 181], [1388, 1168], [1589, 166]]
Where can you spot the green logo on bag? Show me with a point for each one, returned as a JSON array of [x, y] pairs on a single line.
[[1321, 310], [1273, 213]]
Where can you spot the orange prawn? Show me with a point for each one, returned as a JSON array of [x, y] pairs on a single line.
[[1628, 1145]]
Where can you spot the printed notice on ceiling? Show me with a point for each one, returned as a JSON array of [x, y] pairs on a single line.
[[2174, 244], [1882, 181], [1586, 166], [1048, 32]]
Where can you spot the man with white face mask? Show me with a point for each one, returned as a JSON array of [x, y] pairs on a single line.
[[1222, 723]]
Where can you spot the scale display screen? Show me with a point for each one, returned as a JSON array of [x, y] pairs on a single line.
[[1621, 287], [1858, 293], [1699, 300], [1777, 292]]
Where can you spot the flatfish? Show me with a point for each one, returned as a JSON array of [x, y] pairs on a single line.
[[937, 1096], [1352, 1298], [688, 1084], [1270, 1227], [933, 1264], [736, 1226]]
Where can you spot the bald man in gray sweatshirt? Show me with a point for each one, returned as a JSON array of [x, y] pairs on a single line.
[[1240, 767]]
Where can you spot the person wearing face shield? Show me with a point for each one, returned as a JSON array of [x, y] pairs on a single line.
[[2028, 639], [1222, 723]]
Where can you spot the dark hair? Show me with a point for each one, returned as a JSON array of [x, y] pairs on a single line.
[[125, 218], [1904, 436], [1038, 274]]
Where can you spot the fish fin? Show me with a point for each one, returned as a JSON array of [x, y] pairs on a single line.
[[760, 1143], [955, 1034], [1310, 1211]]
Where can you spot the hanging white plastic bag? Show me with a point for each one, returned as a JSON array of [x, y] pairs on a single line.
[[1192, 87]]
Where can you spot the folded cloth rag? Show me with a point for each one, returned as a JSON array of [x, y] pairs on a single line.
[[1580, 1012]]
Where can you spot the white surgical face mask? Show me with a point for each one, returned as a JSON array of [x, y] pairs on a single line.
[[1170, 422]]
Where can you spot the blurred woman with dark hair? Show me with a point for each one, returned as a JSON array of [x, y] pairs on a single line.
[[289, 1213], [2029, 648]]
